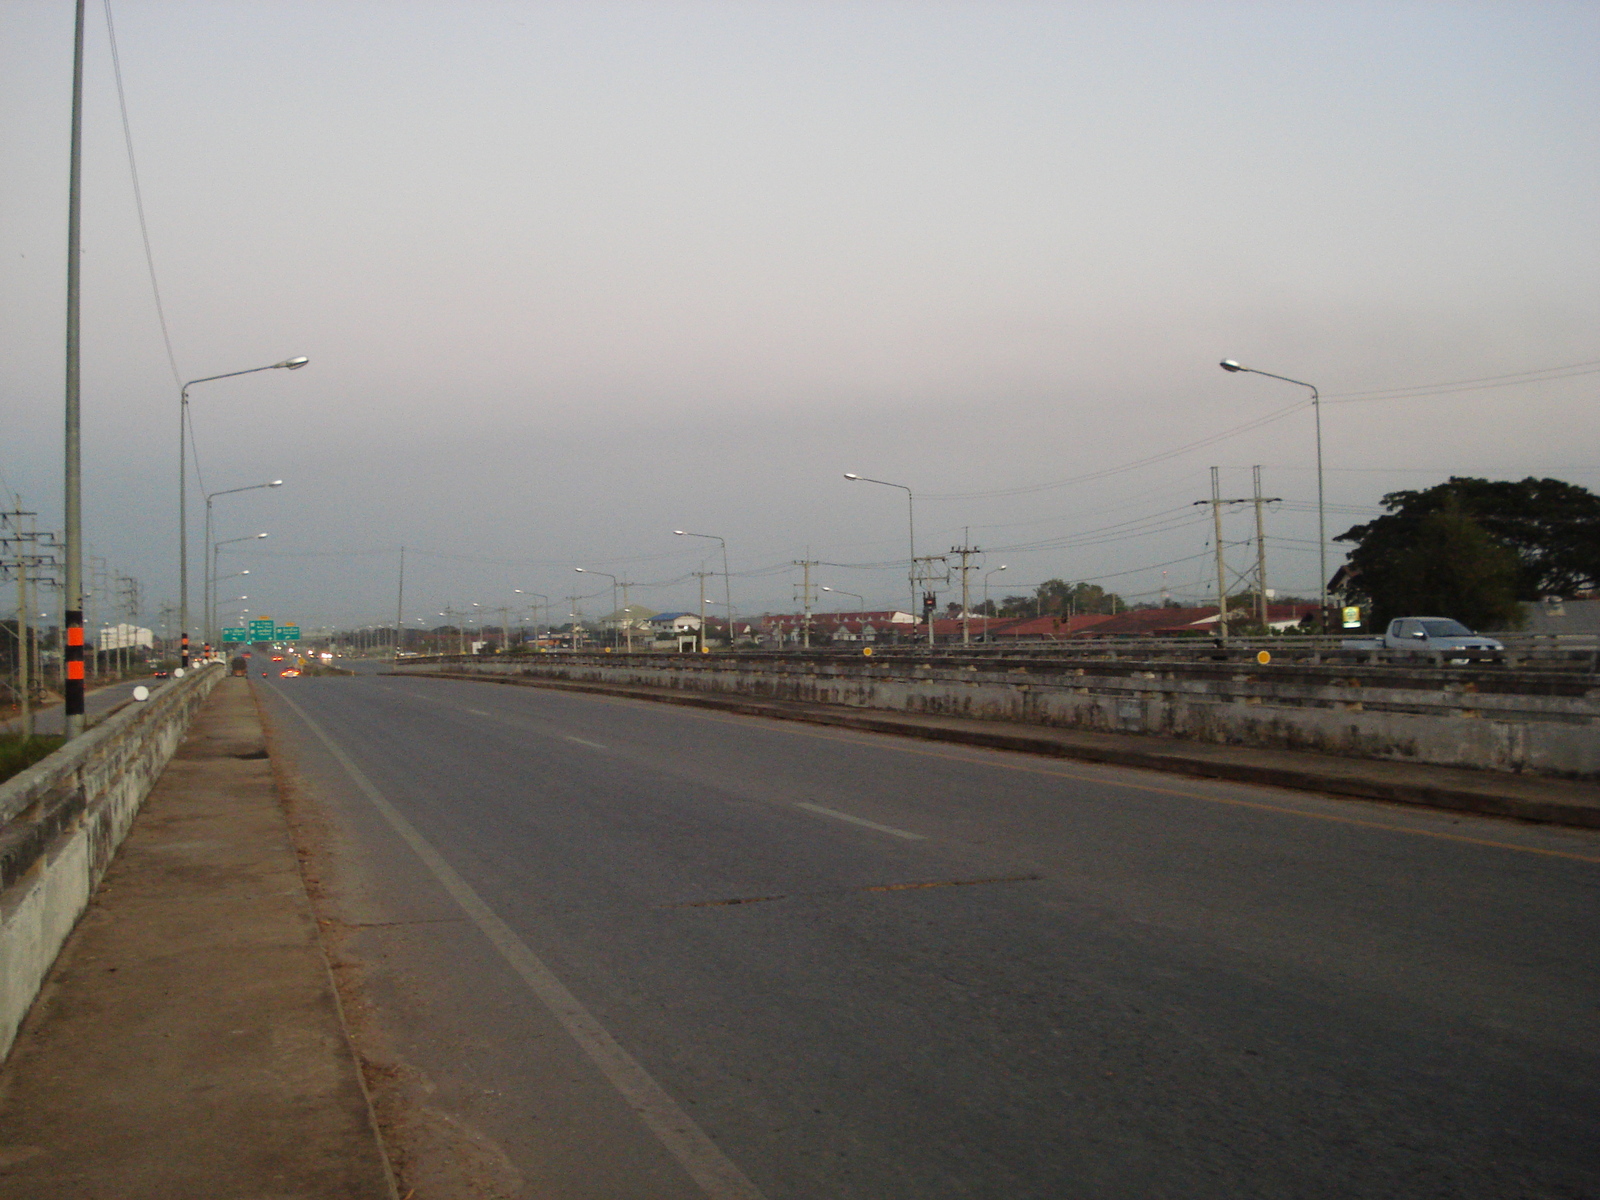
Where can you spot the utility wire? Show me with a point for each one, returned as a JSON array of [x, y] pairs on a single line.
[[1149, 460], [1539, 375], [138, 201]]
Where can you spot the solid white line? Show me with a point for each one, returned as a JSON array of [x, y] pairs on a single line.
[[716, 1174], [582, 741], [837, 815], [477, 712]]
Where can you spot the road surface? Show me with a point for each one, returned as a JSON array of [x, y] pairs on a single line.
[[605, 948], [96, 704]]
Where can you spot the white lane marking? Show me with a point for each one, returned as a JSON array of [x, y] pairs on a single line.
[[716, 1174], [478, 712], [567, 737], [839, 816]]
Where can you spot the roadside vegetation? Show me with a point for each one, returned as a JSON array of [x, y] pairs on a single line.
[[18, 753]]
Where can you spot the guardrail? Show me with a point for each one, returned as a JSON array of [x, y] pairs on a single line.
[[1542, 722], [61, 821]]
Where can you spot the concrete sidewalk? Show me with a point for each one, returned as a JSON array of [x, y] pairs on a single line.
[[188, 1042], [1489, 793]]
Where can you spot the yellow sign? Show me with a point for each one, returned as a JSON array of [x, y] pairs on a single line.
[[1351, 617], [867, 650], [1263, 657]]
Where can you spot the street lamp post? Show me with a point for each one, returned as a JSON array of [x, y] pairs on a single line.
[[1228, 364], [207, 600], [211, 575], [288, 364], [986, 609], [727, 587], [911, 514], [546, 600], [614, 586], [861, 609]]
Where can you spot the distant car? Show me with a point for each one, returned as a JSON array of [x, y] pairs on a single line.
[[289, 673], [158, 673], [1452, 640], [245, 654], [277, 658]]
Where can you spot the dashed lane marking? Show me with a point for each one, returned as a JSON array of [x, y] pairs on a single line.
[[841, 816]]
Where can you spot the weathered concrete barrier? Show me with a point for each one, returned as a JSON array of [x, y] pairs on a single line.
[[61, 822], [1458, 718]]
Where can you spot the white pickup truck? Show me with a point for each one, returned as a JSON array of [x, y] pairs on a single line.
[[1431, 636]]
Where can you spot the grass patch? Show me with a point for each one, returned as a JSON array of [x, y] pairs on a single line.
[[18, 753]]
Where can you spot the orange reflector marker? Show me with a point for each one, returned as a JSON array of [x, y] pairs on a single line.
[[74, 670], [74, 635]]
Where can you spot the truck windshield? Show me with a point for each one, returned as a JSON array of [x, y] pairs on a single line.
[[1446, 629]]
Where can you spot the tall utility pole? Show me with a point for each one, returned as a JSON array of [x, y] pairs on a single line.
[[965, 552], [930, 575], [399, 605], [127, 592], [1216, 503], [72, 606], [94, 600], [575, 616], [805, 600], [701, 575], [35, 552], [1261, 550]]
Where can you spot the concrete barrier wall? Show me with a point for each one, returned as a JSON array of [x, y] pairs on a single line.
[[1421, 716], [61, 822]]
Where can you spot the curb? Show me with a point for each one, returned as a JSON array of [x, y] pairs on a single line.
[[1437, 787]]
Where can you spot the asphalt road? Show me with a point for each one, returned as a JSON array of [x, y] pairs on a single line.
[[618, 949], [96, 704]]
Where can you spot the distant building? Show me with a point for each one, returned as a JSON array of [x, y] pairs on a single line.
[[788, 629], [674, 622], [120, 637], [1557, 615]]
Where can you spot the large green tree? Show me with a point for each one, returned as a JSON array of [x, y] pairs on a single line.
[[1551, 528], [1470, 548]]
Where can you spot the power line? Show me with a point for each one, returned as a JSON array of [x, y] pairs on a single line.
[[1538, 375], [138, 200], [1149, 460]]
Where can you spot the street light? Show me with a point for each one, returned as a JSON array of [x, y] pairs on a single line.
[[546, 600], [211, 575], [627, 619], [986, 609], [1229, 365], [288, 364], [861, 611], [911, 512], [209, 601], [727, 587]]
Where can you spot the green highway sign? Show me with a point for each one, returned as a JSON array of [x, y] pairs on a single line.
[[288, 633], [262, 631], [234, 634]]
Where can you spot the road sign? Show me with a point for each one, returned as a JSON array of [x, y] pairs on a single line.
[[262, 631], [234, 634], [288, 633]]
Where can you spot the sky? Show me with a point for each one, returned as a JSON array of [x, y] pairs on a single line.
[[572, 276]]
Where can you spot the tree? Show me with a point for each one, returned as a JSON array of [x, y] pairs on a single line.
[[1551, 528], [1437, 562], [1057, 597]]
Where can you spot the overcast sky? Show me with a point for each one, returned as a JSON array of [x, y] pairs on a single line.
[[574, 275]]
